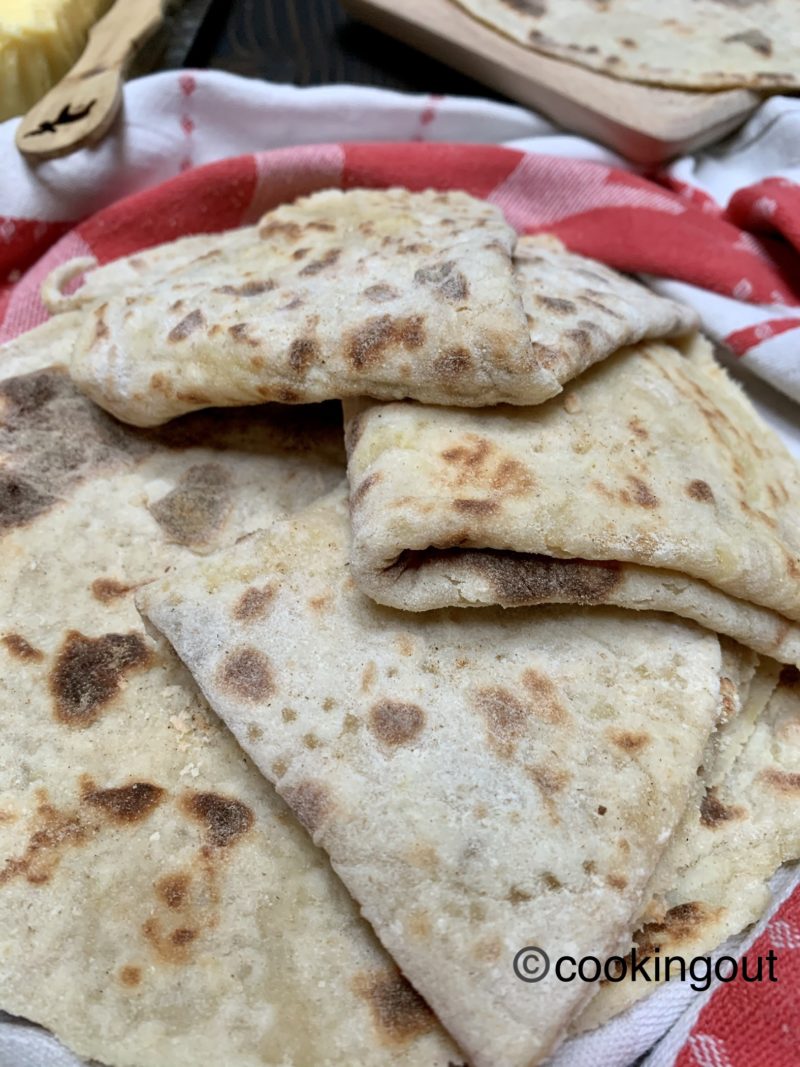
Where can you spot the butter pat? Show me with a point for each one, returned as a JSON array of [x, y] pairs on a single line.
[[39, 41]]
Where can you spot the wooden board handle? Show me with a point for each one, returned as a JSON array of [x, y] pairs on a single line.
[[80, 109]]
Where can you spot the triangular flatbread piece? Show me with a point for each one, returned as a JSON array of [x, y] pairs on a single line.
[[161, 907], [651, 483], [380, 293], [482, 782], [712, 880]]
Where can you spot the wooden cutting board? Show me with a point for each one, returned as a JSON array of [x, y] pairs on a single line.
[[645, 124]]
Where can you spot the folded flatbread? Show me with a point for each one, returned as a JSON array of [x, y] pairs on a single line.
[[698, 44], [651, 483], [380, 293], [482, 782], [712, 880], [160, 905]]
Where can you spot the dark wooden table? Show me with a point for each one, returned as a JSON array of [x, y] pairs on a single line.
[[314, 42]]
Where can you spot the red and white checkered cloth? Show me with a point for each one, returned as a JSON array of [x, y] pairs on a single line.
[[204, 152]]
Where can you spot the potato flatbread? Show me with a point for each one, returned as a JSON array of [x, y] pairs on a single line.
[[482, 781], [161, 906], [651, 483], [385, 293], [713, 879], [379, 293], [691, 44]]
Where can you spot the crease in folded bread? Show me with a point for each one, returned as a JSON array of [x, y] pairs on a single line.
[[306, 804], [651, 483]]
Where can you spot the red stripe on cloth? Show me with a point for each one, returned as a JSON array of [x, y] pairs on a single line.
[[741, 341], [755, 1024], [286, 173], [476, 169], [694, 248], [772, 205], [22, 241], [205, 200]]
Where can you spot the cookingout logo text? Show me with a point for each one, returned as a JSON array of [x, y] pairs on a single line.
[[532, 964]]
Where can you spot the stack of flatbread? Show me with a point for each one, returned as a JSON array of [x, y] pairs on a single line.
[[305, 746]]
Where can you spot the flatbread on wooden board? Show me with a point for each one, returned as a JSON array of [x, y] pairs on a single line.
[[651, 483], [712, 880], [482, 781], [382, 293], [160, 905], [688, 44]]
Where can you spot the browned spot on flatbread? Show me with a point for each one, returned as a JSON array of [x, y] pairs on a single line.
[[537, 8], [224, 819], [247, 673], [713, 812], [21, 649], [468, 506], [51, 439], [194, 512], [53, 831], [523, 578], [320, 604], [506, 716], [130, 976], [398, 1012], [784, 781], [363, 487], [127, 803], [101, 330], [289, 231], [303, 352], [253, 288], [516, 895], [512, 478], [682, 923], [639, 493], [618, 881], [89, 671], [253, 603], [326, 260], [311, 802], [173, 889], [557, 304], [755, 39], [240, 331], [381, 293], [488, 949], [629, 741], [700, 490], [728, 697], [172, 947], [187, 326], [471, 455], [581, 338], [368, 676], [550, 781], [445, 280], [353, 430], [544, 700], [452, 363], [108, 589], [192, 396], [395, 723], [365, 345], [637, 428]]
